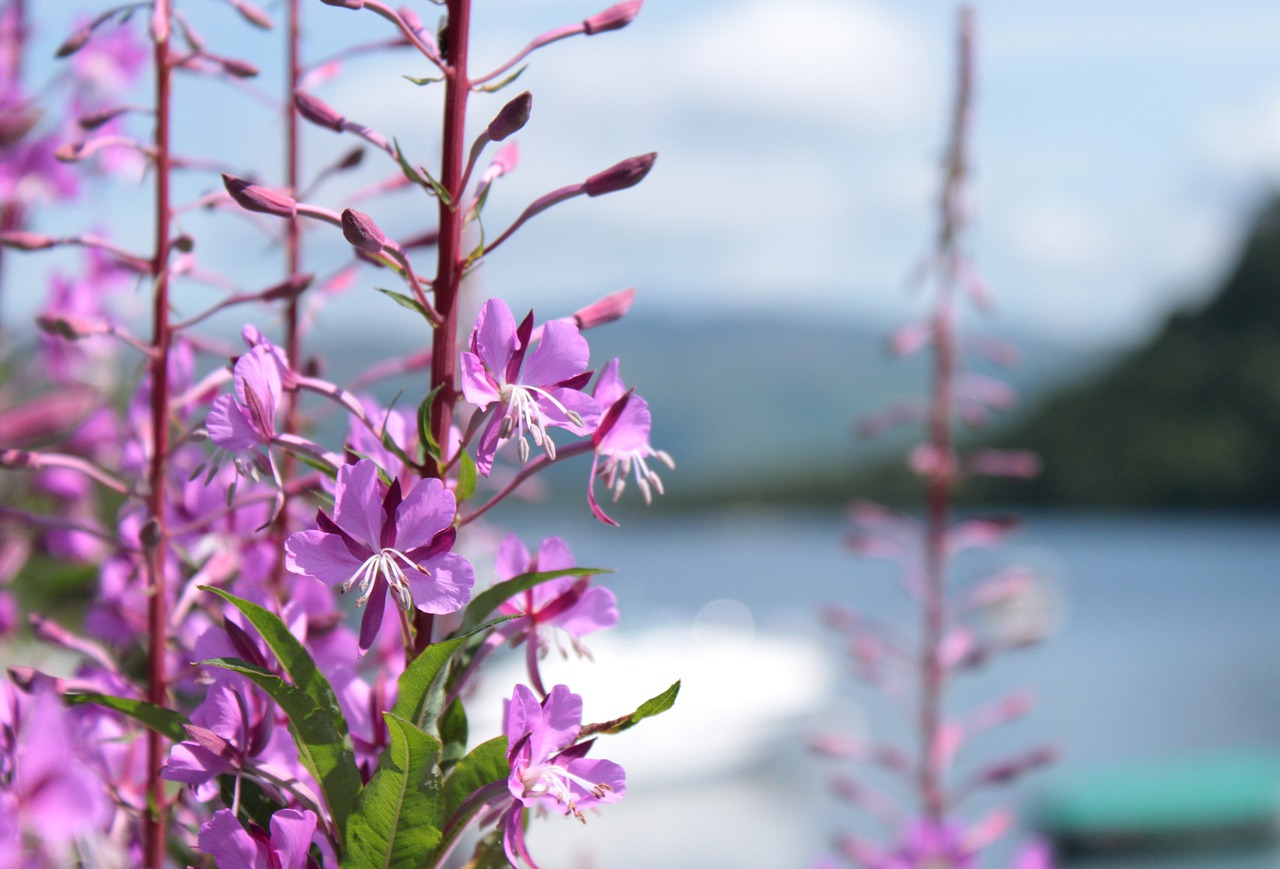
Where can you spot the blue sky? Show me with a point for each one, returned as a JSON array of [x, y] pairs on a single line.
[[1119, 150]]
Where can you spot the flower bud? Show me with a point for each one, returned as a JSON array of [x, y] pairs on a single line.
[[289, 288], [253, 197], [513, 116], [317, 111], [19, 240], [359, 229], [252, 14], [16, 122], [345, 4], [616, 16], [69, 153], [238, 68], [628, 173], [97, 119], [351, 160], [73, 43]]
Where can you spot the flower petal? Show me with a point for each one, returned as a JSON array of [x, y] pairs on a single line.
[[428, 510], [448, 587], [291, 832], [562, 353], [227, 842], [494, 337], [323, 556], [513, 558], [478, 386], [229, 426], [357, 497]]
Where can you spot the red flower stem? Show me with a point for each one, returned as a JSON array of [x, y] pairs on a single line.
[[449, 264], [155, 824], [293, 264], [941, 479]]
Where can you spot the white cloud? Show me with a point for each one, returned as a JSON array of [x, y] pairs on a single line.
[[1061, 235]]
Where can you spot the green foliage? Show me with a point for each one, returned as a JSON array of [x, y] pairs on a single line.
[[485, 765], [320, 736], [648, 709], [404, 301], [253, 805], [166, 722], [483, 604], [397, 817]]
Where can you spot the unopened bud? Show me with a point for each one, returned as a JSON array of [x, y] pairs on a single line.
[[238, 68], [351, 160], [606, 310], [68, 327], [73, 43], [359, 229], [97, 119], [409, 17], [513, 116], [184, 243], [253, 14], [19, 240], [16, 122], [69, 153], [345, 4], [253, 197], [149, 534], [628, 173], [317, 111], [616, 16], [288, 289]]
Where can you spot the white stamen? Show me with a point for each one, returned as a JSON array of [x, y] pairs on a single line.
[[384, 564]]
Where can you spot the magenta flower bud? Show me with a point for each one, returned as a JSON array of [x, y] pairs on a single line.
[[628, 173], [409, 17], [345, 4], [68, 153], [73, 43], [288, 289], [616, 16], [359, 229], [253, 14], [253, 197], [317, 111], [19, 240], [97, 119], [606, 310], [238, 68], [513, 116], [16, 123]]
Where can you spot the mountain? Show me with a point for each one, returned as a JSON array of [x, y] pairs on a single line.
[[1191, 419]]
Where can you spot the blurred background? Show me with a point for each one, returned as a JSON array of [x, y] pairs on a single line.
[[1126, 159]]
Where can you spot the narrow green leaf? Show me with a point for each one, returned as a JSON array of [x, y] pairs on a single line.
[[403, 301], [328, 470], [425, 80], [292, 655], [486, 764], [502, 82], [322, 748], [425, 437], [466, 476], [397, 817], [483, 604], [166, 722], [649, 708], [416, 682], [421, 176], [453, 735]]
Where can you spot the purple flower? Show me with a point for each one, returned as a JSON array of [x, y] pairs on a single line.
[[385, 542], [285, 847], [545, 392], [570, 604], [926, 844], [622, 442], [244, 423], [547, 768]]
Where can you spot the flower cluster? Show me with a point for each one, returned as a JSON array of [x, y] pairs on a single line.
[[237, 695]]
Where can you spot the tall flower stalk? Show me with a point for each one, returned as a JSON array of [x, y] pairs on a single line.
[[222, 702], [933, 831]]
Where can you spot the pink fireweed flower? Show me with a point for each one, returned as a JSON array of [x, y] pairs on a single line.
[[569, 605], [622, 442], [286, 846], [545, 392], [386, 543], [244, 423], [547, 768]]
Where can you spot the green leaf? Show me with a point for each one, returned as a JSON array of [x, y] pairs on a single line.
[[466, 476], [424, 424], [414, 688], [503, 82], [324, 468], [649, 708], [255, 805], [291, 654], [425, 80], [486, 764], [397, 818], [421, 177], [322, 746], [453, 735], [166, 722], [403, 301], [491, 598]]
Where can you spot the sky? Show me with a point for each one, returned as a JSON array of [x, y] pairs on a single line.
[[1119, 150]]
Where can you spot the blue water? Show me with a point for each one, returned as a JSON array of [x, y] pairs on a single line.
[[1167, 647]]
